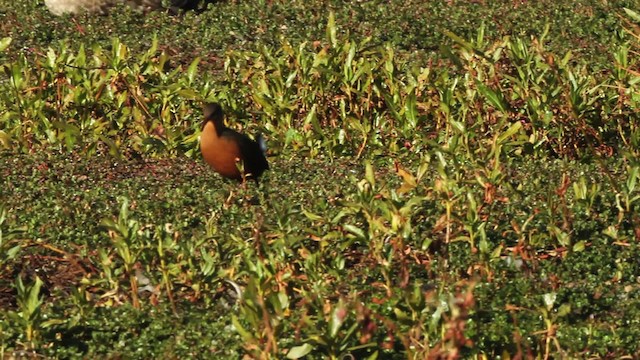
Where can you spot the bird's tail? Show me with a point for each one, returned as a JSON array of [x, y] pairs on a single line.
[[262, 143]]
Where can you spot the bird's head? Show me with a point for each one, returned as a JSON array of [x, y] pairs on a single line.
[[213, 112]]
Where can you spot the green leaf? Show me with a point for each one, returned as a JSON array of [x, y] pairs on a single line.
[[311, 216], [465, 44], [191, 71], [5, 140], [290, 78], [494, 97], [81, 57], [33, 300], [513, 129], [297, 352], [241, 330], [4, 43], [154, 47], [458, 125], [369, 174], [189, 94], [373, 356], [401, 315], [411, 111], [331, 29], [579, 246], [51, 58], [632, 14], [632, 178], [564, 310], [355, 231], [338, 317]]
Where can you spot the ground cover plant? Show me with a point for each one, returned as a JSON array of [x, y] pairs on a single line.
[[440, 186]]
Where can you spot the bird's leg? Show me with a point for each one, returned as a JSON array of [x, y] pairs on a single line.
[[243, 174], [230, 198], [240, 167]]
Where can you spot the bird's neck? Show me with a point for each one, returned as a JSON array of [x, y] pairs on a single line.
[[214, 127]]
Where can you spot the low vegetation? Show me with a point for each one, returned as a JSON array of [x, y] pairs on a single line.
[[472, 199]]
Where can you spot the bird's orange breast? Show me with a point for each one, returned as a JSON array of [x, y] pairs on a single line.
[[220, 153]]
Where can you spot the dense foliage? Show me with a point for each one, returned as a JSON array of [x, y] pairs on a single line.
[[471, 198]]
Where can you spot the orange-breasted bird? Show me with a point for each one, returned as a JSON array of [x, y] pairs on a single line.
[[228, 151]]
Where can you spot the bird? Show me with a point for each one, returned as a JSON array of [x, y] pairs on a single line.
[[61, 7], [231, 154]]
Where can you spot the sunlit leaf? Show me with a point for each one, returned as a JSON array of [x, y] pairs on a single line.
[[4, 43], [297, 352]]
